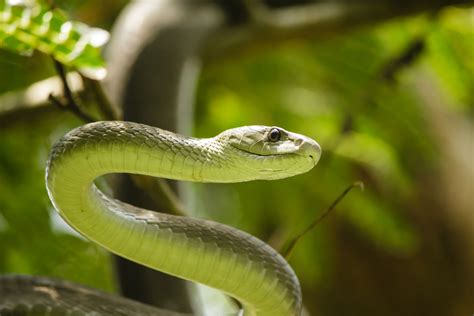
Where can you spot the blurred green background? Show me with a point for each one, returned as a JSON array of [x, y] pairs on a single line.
[[400, 247]]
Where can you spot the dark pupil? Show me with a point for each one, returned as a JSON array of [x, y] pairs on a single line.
[[274, 135]]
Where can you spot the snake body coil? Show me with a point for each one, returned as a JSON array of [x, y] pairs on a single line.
[[199, 250]]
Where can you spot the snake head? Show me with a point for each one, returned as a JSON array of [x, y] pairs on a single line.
[[273, 152]]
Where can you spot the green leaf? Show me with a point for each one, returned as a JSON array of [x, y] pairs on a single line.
[[26, 26]]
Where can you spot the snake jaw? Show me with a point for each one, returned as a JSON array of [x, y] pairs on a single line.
[[308, 147]]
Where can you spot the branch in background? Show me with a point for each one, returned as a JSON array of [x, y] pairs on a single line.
[[407, 57], [32, 103], [268, 26], [291, 245], [304, 15], [70, 103]]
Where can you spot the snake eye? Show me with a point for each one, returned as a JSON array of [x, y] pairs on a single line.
[[274, 135]]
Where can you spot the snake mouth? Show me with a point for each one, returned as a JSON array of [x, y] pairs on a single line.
[[272, 155], [315, 159]]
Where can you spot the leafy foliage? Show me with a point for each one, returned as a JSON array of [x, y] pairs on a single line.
[[25, 27]]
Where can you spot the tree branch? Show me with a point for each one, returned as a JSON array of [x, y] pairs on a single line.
[[24, 106], [267, 27], [70, 103]]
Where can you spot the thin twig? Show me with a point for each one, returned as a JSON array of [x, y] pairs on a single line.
[[70, 103], [289, 250]]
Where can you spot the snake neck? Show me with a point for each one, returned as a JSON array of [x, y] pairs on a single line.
[[202, 251], [125, 147]]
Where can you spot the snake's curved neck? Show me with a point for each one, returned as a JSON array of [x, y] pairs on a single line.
[[206, 252]]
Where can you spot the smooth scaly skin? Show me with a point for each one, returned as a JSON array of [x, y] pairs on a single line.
[[202, 251]]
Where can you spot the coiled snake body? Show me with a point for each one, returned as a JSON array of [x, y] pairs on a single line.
[[199, 250]]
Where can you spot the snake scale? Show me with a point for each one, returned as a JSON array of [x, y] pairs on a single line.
[[202, 251]]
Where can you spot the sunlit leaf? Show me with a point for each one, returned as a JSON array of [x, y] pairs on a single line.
[[26, 26]]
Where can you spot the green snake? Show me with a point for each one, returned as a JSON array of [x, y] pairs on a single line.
[[202, 251]]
